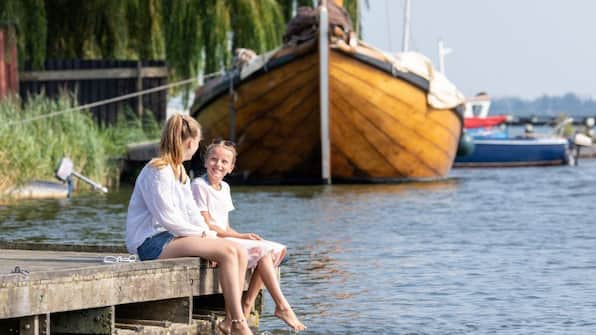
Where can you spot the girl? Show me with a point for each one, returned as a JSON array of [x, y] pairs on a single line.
[[164, 222], [213, 198]]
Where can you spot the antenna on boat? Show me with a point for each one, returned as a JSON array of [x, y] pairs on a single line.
[[65, 171], [406, 36], [443, 51]]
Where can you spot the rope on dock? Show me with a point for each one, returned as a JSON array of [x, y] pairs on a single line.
[[116, 99]]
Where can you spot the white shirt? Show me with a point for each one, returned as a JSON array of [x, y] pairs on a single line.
[[217, 202], [159, 202]]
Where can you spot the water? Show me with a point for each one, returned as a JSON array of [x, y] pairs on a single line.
[[494, 251]]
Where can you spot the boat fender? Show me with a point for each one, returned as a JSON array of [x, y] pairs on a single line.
[[465, 146], [582, 140]]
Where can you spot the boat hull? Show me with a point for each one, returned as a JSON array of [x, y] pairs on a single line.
[[381, 126], [516, 152]]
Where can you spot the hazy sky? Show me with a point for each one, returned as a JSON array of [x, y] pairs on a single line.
[[523, 48]]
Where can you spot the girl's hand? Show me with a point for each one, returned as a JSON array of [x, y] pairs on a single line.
[[251, 236]]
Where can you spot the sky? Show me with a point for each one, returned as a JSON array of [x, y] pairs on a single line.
[[515, 48]]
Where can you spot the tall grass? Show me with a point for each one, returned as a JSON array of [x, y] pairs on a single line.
[[32, 150]]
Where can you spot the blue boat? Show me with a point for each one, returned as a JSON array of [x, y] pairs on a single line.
[[503, 152], [492, 146]]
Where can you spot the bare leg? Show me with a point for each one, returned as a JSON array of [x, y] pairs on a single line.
[[283, 310], [242, 263], [256, 284], [225, 253]]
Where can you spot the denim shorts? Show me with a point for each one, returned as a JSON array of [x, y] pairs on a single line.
[[154, 245]]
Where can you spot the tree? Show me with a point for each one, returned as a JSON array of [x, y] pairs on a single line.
[[191, 35]]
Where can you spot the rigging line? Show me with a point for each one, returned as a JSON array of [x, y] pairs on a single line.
[[111, 100]]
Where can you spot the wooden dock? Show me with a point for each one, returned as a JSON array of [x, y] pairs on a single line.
[[69, 289]]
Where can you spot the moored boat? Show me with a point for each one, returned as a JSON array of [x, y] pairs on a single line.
[[391, 117], [492, 145], [513, 152]]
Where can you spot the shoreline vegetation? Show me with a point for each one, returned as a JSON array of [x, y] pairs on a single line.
[[31, 150]]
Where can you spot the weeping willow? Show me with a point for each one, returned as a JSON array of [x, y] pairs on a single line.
[[191, 35], [351, 7], [29, 18]]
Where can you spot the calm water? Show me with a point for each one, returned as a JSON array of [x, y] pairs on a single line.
[[495, 251]]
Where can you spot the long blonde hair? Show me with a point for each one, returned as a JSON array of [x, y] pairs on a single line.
[[178, 129]]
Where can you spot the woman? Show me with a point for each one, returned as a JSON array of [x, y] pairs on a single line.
[[164, 222]]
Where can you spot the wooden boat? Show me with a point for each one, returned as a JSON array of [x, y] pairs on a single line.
[[385, 122]]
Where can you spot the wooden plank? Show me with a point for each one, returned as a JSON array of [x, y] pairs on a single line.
[[392, 137], [32, 246], [93, 74], [56, 281], [71, 282]]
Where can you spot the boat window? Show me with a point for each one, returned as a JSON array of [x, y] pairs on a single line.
[[476, 110]]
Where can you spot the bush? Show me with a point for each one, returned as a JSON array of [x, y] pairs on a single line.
[[31, 149]]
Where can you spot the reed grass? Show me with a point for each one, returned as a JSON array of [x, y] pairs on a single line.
[[32, 150]]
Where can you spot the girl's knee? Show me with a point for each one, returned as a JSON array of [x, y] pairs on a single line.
[[242, 254], [231, 251]]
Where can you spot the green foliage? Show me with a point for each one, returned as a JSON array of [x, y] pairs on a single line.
[[216, 23], [351, 7], [192, 35], [29, 18], [145, 23], [31, 150], [289, 7], [88, 29]]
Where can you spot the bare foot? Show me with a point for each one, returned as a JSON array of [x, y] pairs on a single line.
[[240, 327], [224, 327], [288, 316]]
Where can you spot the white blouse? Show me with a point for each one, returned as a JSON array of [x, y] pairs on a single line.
[[217, 202], [159, 202]]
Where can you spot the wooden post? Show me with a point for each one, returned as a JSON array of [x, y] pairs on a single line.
[[12, 68], [3, 76], [139, 88], [9, 78]]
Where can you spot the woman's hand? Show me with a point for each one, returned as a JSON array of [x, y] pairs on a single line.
[[250, 236]]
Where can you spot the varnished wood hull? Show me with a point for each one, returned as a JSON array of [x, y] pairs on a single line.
[[381, 126]]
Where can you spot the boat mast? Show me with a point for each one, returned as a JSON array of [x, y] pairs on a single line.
[[324, 92], [442, 53], [406, 36]]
